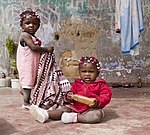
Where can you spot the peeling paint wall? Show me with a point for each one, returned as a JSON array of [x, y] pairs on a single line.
[[78, 28]]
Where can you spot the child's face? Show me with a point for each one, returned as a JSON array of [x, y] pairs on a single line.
[[88, 72], [30, 24]]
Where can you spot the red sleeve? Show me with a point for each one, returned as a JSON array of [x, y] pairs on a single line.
[[104, 96]]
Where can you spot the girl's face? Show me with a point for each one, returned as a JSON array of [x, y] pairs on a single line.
[[88, 72], [30, 24]]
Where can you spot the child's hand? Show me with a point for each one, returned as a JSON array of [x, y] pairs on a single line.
[[37, 41], [95, 103], [69, 95], [50, 49]]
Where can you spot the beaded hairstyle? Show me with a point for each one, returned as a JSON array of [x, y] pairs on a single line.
[[28, 12], [90, 59]]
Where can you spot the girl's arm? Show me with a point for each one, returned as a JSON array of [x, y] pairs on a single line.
[[29, 41], [104, 96]]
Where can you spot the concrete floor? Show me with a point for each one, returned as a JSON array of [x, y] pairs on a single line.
[[127, 114]]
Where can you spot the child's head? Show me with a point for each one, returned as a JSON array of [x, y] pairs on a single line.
[[89, 69], [29, 21]]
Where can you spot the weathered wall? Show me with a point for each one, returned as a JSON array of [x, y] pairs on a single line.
[[80, 27]]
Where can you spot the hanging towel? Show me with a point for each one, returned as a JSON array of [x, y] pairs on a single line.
[[51, 84], [131, 23]]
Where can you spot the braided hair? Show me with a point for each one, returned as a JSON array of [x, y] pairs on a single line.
[[29, 12], [90, 59]]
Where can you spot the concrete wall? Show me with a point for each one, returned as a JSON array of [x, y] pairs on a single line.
[[79, 28]]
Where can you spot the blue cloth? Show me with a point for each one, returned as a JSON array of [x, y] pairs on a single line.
[[131, 24]]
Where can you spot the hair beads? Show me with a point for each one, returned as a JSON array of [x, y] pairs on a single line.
[[29, 13], [90, 59]]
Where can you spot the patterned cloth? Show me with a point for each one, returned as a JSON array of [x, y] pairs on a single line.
[[51, 84]]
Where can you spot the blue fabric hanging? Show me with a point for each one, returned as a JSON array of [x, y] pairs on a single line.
[[131, 23]]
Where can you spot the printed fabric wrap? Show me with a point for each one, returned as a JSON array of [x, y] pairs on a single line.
[[51, 84]]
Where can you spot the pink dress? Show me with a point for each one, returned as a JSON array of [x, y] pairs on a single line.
[[27, 65]]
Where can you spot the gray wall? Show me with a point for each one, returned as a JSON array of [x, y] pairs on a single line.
[[78, 28]]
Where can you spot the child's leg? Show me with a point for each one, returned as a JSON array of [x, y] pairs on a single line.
[[42, 115], [92, 116], [56, 114], [26, 96]]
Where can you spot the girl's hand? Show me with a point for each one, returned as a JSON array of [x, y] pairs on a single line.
[[50, 49], [69, 95], [95, 103], [37, 41]]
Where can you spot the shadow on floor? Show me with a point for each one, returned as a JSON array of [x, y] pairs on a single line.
[[110, 115], [6, 128]]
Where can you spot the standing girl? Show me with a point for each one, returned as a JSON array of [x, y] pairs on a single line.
[[28, 53]]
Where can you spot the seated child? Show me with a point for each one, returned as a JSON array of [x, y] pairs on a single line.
[[86, 99]]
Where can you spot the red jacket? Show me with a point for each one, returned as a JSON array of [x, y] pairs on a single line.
[[98, 89]]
